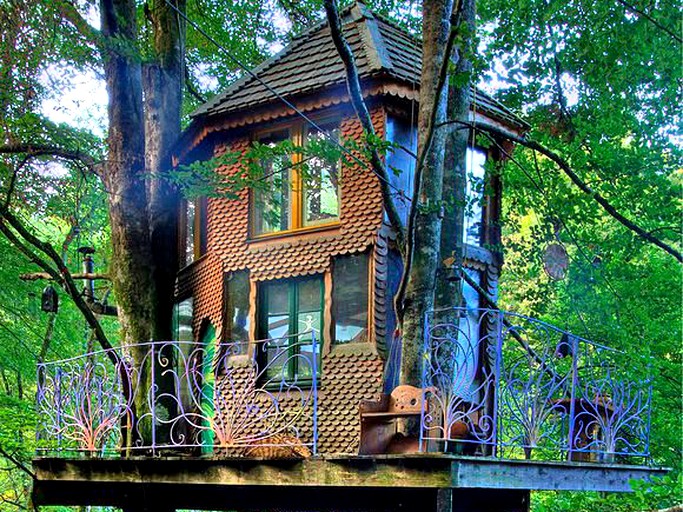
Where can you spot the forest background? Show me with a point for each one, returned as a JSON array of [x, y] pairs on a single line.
[[599, 82]]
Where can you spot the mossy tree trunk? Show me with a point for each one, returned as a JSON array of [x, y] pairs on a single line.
[[142, 207], [449, 284], [419, 296]]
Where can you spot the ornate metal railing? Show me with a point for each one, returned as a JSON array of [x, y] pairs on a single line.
[[505, 385], [182, 397]]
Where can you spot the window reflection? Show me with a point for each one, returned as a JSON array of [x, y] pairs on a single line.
[[475, 196]]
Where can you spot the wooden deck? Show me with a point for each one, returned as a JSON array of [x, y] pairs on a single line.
[[440, 483]]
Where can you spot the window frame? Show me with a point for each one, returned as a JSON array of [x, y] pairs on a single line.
[[293, 314], [370, 288], [298, 131], [199, 230]]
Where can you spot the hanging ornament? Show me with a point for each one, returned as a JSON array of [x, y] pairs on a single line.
[[556, 261], [555, 257], [49, 301]]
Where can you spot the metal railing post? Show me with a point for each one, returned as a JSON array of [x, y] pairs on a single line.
[[424, 384], [58, 398], [572, 395], [497, 421], [314, 389], [154, 401]]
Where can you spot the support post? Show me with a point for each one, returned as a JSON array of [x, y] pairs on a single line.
[[444, 500]]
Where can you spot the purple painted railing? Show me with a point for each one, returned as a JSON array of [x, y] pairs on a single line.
[[181, 397], [498, 385], [505, 385]]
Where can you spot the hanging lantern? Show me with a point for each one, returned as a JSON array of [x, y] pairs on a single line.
[[556, 261], [49, 301]]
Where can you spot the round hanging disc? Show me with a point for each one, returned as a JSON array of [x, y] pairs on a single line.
[[556, 261]]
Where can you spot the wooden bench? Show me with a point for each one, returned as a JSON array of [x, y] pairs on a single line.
[[378, 425]]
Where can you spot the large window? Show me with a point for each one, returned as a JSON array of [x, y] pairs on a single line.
[[299, 189], [350, 298], [290, 314]]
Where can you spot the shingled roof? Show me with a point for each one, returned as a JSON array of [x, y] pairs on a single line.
[[310, 63]]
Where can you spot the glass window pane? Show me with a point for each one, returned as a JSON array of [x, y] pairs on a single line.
[[309, 318], [237, 310], [272, 198], [467, 354], [321, 183], [475, 196], [350, 298], [400, 163], [292, 305], [277, 329], [190, 212]]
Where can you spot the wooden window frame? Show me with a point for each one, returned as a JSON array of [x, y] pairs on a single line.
[[292, 310], [370, 306], [200, 231], [297, 131]]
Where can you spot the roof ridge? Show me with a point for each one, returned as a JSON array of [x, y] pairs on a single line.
[[374, 41]]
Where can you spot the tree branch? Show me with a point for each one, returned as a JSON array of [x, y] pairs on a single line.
[[35, 276], [62, 274], [566, 168], [356, 95], [38, 150], [650, 19], [69, 13], [191, 88], [20, 465]]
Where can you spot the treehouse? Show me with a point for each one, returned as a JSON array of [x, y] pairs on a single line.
[[280, 387]]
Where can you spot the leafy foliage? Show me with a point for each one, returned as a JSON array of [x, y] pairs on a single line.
[[599, 83]]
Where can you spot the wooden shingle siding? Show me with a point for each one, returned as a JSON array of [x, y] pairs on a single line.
[[309, 252], [350, 374]]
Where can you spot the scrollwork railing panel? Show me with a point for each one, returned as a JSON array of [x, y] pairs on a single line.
[[181, 398], [517, 387]]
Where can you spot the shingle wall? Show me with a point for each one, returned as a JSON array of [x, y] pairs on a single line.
[[349, 374]]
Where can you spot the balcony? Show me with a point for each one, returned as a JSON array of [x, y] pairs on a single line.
[[496, 386]]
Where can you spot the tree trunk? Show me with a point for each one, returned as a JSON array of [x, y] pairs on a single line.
[[449, 285], [162, 85], [419, 297], [124, 179], [161, 80]]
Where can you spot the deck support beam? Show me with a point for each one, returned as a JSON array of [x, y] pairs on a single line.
[[378, 483]]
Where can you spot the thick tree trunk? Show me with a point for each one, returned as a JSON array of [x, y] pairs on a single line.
[[162, 85], [161, 80], [419, 296], [124, 178], [449, 285], [124, 175]]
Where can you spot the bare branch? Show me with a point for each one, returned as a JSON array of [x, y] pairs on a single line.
[[566, 168], [356, 95], [35, 276], [61, 274], [651, 20], [38, 150], [20, 465], [191, 88]]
